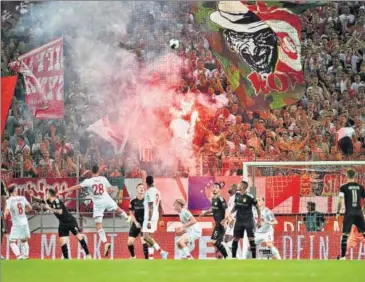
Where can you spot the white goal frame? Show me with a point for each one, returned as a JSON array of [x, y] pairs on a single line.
[[246, 165]]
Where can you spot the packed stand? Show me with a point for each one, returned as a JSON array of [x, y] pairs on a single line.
[[332, 55]]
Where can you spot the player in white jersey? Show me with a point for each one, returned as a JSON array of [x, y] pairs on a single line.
[[228, 237], [16, 206], [99, 188], [152, 213], [189, 231], [264, 235]]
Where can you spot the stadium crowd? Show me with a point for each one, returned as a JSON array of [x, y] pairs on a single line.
[[333, 46]]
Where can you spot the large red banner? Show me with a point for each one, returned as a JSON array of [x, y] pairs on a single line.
[[292, 245], [40, 187], [42, 69]]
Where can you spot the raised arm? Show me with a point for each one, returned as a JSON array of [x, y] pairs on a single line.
[[204, 213], [72, 188]]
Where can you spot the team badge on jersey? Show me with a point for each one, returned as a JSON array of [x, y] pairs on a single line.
[[244, 200]]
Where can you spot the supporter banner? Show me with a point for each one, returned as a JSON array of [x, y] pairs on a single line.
[[291, 245], [40, 187], [42, 69], [7, 92], [259, 47]]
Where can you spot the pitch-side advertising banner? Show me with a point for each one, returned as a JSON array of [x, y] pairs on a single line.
[[292, 245]]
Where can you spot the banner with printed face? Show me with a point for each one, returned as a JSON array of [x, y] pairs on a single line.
[[259, 46], [42, 69], [291, 245]]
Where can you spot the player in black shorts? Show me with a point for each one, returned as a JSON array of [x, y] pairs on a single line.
[[351, 193], [243, 204], [218, 209], [2, 223], [136, 208], [67, 222]]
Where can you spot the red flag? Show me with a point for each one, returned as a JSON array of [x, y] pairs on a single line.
[[42, 69], [7, 93]]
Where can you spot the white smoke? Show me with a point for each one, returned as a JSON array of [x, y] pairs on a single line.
[[111, 75]]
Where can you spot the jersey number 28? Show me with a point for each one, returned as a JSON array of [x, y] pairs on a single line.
[[98, 189]]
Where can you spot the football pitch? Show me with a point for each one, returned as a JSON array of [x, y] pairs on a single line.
[[184, 271]]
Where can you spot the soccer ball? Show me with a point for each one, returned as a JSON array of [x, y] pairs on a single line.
[[174, 43]]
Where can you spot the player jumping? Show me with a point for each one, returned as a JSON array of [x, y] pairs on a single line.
[[152, 213], [16, 206], [351, 193], [67, 223], [189, 226], [264, 236], [218, 209], [244, 219], [99, 188], [136, 208]]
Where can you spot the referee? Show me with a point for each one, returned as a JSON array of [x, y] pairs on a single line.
[[67, 221], [351, 193]]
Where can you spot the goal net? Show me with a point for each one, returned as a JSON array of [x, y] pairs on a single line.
[[303, 196]]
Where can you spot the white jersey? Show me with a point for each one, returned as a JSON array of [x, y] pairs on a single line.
[[185, 216], [266, 215], [152, 196], [97, 188], [231, 204], [16, 205]]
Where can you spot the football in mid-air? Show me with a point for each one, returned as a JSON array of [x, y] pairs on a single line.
[[174, 43]]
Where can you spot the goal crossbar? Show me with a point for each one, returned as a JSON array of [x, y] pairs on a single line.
[[246, 165]]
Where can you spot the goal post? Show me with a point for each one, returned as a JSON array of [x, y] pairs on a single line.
[[303, 196]]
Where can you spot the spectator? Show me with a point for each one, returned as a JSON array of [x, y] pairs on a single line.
[[314, 220]]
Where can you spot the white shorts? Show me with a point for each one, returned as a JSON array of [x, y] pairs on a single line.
[[153, 228], [264, 237], [19, 233], [100, 208], [229, 229], [193, 235]]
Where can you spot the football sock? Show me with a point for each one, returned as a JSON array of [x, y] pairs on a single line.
[[221, 248], [186, 252], [25, 249], [14, 247], [344, 245], [157, 247], [253, 248], [181, 253], [131, 250], [275, 253], [102, 235], [150, 253], [64, 251], [234, 248], [84, 246], [145, 250]]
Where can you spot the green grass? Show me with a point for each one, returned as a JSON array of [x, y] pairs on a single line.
[[186, 271]]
